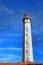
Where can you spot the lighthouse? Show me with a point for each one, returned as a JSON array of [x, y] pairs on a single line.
[[27, 40]]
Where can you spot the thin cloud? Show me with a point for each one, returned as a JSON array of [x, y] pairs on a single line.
[[5, 9], [3, 40], [11, 48], [12, 34], [9, 57]]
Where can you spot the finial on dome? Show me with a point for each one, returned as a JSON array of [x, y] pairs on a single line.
[[27, 16]]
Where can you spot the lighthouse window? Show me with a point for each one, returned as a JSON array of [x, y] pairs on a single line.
[[26, 34], [26, 51], [26, 60], [26, 42], [26, 29]]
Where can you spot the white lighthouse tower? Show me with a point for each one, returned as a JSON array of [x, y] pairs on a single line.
[[27, 40]]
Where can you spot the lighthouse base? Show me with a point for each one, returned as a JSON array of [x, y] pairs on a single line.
[[22, 63]]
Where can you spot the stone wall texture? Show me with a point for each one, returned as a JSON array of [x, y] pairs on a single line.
[[21, 63]]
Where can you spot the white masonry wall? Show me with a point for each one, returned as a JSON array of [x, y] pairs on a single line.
[[28, 53]]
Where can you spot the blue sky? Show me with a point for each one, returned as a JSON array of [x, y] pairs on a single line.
[[11, 29]]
